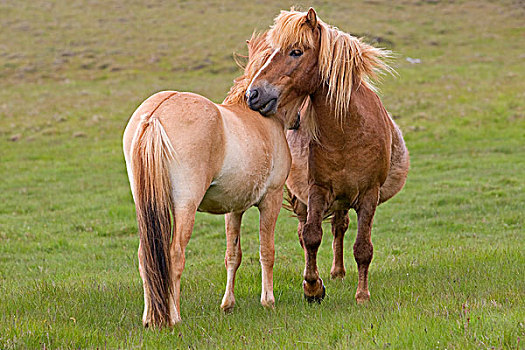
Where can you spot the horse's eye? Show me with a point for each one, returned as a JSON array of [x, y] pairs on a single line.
[[296, 53]]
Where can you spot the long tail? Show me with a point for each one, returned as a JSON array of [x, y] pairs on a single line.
[[151, 154]]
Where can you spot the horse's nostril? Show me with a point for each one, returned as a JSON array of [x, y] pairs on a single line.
[[253, 95]]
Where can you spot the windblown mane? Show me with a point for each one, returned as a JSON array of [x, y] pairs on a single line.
[[258, 53], [344, 60]]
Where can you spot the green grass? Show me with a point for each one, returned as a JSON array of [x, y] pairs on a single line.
[[449, 264]]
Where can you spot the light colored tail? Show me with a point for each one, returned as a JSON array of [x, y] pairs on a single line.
[[151, 155]]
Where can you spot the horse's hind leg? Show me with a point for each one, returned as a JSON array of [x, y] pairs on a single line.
[[269, 208], [339, 226], [363, 248], [184, 220], [146, 316], [233, 257]]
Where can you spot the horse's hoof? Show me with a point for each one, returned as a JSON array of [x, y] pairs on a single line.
[[267, 299], [157, 325], [315, 298], [362, 297], [147, 322], [337, 275], [228, 302], [268, 304], [227, 310], [174, 320]]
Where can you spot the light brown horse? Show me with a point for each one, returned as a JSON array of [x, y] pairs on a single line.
[[185, 153], [348, 152]]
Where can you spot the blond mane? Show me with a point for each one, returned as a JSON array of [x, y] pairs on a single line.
[[258, 53], [344, 60]]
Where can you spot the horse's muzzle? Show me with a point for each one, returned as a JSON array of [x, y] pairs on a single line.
[[262, 100]]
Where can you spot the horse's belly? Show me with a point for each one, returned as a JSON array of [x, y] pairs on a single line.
[[232, 194], [340, 204]]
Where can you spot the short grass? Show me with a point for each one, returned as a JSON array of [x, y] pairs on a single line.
[[449, 264]]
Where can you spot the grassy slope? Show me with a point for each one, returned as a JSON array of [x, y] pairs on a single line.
[[449, 266]]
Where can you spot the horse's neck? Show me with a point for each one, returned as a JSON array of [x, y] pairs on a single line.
[[326, 119], [337, 130], [365, 119], [245, 115]]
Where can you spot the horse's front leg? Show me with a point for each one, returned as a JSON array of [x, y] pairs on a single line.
[[363, 248], [269, 208], [339, 226], [233, 257], [318, 199]]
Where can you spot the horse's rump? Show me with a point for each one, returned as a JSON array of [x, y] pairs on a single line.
[[399, 165]]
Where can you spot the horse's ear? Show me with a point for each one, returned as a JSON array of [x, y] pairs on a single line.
[[311, 18]]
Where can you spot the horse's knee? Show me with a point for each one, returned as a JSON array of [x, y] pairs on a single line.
[[233, 260], [312, 235], [363, 252]]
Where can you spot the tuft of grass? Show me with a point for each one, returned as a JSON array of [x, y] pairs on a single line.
[[448, 270]]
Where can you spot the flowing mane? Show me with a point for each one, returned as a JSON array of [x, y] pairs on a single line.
[[258, 53], [344, 60]]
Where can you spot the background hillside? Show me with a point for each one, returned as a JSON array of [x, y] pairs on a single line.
[[449, 263]]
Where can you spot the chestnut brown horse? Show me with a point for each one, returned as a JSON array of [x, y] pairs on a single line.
[[185, 153], [348, 152]]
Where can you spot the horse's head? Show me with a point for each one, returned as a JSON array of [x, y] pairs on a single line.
[[304, 54], [290, 70]]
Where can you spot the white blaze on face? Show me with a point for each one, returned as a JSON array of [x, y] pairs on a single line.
[[260, 70]]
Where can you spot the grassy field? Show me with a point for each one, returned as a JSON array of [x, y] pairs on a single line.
[[449, 264]]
